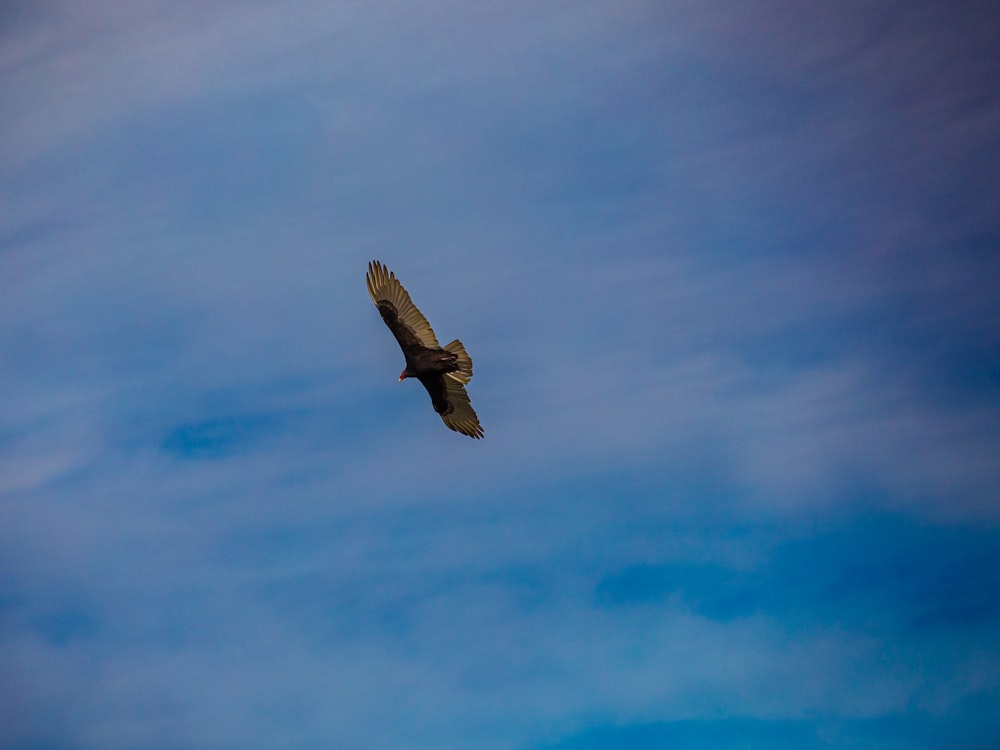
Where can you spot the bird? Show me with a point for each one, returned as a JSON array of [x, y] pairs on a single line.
[[444, 371]]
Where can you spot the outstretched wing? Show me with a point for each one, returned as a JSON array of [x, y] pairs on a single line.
[[406, 322], [462, 417], [451, 401]]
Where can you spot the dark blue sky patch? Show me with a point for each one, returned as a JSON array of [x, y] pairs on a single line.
[[708, 587], [889, 570], [637, 584], [910, 730], [218, 438], [66, 626], [875, 573], [747, 734]]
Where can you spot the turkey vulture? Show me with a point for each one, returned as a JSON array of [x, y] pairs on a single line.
[[443, 371]]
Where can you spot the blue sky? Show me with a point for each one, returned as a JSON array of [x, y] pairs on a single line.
[[728, 275]]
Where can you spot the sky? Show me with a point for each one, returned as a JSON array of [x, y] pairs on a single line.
[[727, 272]]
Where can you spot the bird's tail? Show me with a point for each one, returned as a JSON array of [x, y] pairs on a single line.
[[464, 372]]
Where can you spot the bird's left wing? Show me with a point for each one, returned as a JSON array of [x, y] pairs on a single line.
[[460, 416]]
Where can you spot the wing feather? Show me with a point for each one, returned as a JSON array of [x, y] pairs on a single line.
[[397, 308], [460, 416]]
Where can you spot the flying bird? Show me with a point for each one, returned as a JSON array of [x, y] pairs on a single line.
[[444, 371]]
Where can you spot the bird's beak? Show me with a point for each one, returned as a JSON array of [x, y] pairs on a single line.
[[402, 375]]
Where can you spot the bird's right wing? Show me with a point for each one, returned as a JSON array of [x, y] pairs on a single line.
[[406, 322]]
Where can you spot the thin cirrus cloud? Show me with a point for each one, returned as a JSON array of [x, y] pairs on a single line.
[[726, 277]]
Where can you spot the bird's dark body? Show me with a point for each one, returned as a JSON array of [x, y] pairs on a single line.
[[426, 364]]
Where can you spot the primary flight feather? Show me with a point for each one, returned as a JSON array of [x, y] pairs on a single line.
[[444, 371]]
